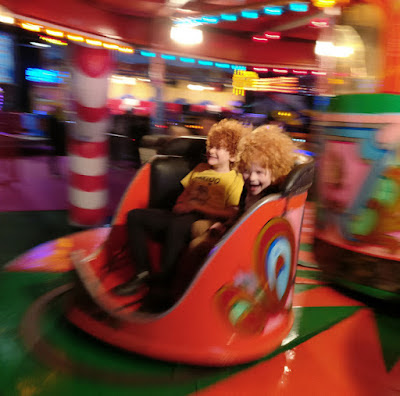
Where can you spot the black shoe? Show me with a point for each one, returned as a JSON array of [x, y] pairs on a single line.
[[133, 286]]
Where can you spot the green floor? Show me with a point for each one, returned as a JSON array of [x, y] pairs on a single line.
[[21, 231], [65, 361], [89, 367]]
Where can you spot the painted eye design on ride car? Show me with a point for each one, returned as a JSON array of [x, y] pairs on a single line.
[[248, 310]]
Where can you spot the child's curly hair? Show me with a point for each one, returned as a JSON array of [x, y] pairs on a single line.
[[227, 134], [269, 147]]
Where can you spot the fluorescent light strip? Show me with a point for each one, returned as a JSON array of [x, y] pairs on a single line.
[[187, 60], [31, 27], [110, 46], [148, 54], [273, 10], [260, 39], [205, 63], [209, 19], [53, 40], [283, 71], [43, 45], [298, 7], [228, 17], [168, 57], [54, 33], [250, 14], [72, 37], [96, 43], [126, 50], [7, 19], [272, 35], [223, 65]]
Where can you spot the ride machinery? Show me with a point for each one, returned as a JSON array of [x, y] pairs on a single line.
[[357, 239], [236, 306]]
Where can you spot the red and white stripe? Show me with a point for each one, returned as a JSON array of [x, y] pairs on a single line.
[[88, 144]]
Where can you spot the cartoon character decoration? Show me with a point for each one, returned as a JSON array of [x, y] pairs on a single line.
[[378, 222], [256, 300]]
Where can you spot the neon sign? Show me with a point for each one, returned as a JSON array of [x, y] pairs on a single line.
[[249, 81], [45, 76]]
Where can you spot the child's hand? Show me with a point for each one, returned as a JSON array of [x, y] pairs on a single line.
[[217, 228]]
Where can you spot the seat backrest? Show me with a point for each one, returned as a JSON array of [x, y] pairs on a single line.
[[299, 179], [193, 148], [166, 173], [179, 157]]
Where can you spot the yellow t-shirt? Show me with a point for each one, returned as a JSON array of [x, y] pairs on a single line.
[[207, 187]]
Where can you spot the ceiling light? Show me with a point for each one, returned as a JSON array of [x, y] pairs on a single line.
[[123, 80], [72, 37], [298, 7], [96, 43], [228, 17], [250, 14], [273, 35], [55, 33], [195, 87], [31, 27], [131, 102], [7, 19], [126, 50], [52, 40], [186, 35], [327, 48], [260, 39], [40, 44], [6, 16], [273, 10], [319, 23], [205, 63], [324, 3], [110, 46], [283, 71]]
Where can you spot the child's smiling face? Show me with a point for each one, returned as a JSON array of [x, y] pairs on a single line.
[[256, 178], [218, 157]]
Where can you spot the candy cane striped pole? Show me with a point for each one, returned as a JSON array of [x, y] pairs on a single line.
[[88, 144]]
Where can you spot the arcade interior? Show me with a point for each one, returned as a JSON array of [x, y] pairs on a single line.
[[96, 94]]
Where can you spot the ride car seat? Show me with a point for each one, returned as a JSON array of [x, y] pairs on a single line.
[[238, 306]]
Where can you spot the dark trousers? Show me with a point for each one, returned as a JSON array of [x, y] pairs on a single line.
[[173, 231]]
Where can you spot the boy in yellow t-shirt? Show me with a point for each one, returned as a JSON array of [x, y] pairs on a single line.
[[264, 158], [211, 191]]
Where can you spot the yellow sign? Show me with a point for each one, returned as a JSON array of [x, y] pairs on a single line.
[[249, 81], [241, 80]]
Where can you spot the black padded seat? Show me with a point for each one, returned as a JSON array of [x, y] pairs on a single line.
[[179, 157], [299, 179], [191, 147], [166, 173]]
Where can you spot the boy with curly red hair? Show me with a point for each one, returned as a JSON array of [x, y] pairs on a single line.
[[264, 158], [212, 190]]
